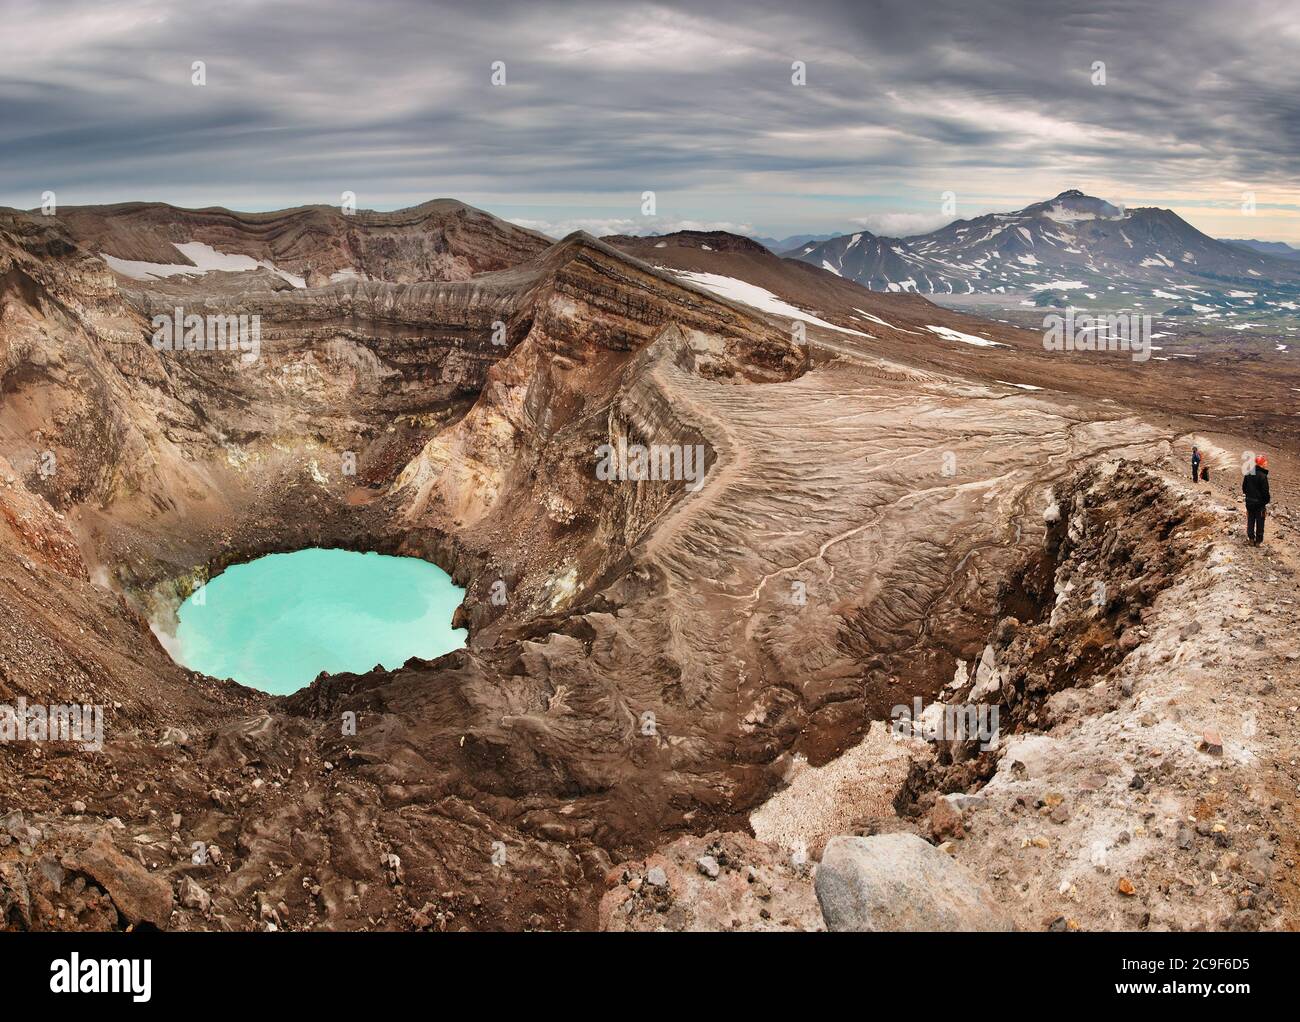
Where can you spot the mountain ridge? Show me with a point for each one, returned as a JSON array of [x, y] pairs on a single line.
[[1280, 249], [1072, 241], [442, 239]]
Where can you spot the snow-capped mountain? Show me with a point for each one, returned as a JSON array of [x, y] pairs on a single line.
[[1071, 242]]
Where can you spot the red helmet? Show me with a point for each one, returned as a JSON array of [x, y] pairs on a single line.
[[1261, 461]]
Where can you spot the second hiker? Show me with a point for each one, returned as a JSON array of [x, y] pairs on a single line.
[[1254, 484]]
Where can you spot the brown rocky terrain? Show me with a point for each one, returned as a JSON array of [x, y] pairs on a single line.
[[667, 658]]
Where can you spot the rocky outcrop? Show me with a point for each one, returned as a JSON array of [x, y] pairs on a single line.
[[1103, 802], [139, 896]]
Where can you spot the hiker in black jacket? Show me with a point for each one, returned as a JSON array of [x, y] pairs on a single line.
[[1196, 463], [1254, 485]]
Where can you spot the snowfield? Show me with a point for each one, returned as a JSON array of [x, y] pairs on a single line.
[[757, 297], [204, 257]]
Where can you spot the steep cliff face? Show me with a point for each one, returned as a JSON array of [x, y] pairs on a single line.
[[522, 466], [82, 429]]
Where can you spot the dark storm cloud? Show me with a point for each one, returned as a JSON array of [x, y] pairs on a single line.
[[393, 100]]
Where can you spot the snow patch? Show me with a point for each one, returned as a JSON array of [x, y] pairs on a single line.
[[205, 259], [1061, 285], [949, 334], [758, 298]]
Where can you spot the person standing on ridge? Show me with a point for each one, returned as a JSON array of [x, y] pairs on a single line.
[[1196, 463], [1254, 484]]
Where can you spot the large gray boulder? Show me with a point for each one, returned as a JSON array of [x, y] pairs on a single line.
[[900, 882]]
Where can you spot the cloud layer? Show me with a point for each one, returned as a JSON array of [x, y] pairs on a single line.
[[394, 100]]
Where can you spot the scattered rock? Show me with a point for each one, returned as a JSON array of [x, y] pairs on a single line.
[[174, 736], [961, 801], [721, 881], [193, 896], [945, 821]]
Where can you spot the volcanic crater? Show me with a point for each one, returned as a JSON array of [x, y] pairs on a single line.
[[646, 661]]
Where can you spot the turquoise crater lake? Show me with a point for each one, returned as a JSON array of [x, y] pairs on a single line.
[[277, 622]]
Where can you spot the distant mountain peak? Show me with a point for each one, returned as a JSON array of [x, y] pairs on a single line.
[[1071, 242], [1076, 204]]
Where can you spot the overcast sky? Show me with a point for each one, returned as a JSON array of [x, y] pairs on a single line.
[[905, 100]]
